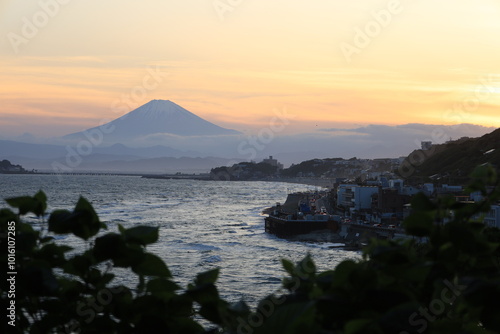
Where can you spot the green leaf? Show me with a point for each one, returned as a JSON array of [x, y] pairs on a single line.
[[54, 254], [121, 228], [41, 205], [87, 222], [109, 247], [207, 277], [204, 290], [143, 235], [79, 264], [293, 318], [241, 307], [112, 246], [306, 267], [356, 326], [342, 273], [396, 319], [36, 204], [25, 204], [162, 288], [213, 310], [204, 294], [420, 202], [188, 326], [39, 278], [26, 238], [7, 216], [58, 222], [481, 177], [82, 222], [419, 224], [288, 265], [151, 265], [485, 173], [464, 238]]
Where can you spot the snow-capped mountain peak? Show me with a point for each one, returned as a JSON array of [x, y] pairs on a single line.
[[160, 117]]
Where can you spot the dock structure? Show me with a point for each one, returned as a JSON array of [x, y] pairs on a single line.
[[290, 219], [91, 173], [302, 213], [363, 232], [284, 227], [202, 177]]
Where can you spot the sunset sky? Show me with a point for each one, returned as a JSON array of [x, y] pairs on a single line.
[[68, 65]]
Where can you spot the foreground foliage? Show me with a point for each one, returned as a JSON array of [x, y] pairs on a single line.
[[444, 280]]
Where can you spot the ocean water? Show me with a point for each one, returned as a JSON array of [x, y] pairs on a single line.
[[203, 225]]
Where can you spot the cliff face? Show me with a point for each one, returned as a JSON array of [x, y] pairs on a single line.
[[454, 161]]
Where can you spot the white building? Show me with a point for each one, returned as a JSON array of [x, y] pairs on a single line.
[[363, 197], [345, 195], [492, 218], [373, 175], [396, 184], [355, 197]]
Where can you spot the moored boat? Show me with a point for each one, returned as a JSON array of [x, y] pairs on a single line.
[[302, 213], [288, 226]]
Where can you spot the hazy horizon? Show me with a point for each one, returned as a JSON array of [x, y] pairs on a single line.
[[162, 135]]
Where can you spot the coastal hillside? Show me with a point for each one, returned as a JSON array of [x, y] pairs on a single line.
[[6, 167], [453, 161]]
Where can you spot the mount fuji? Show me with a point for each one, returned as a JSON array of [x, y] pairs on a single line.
[[154, 118]]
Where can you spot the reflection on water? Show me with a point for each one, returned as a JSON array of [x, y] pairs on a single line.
[[203, 225]]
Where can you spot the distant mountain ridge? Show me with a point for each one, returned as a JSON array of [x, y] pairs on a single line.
[[10, 148], [156, 117]]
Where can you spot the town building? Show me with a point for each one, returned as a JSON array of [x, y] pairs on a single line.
[[426, 145], [273, 162], [355, 197], [492, 218], [389, 200]]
